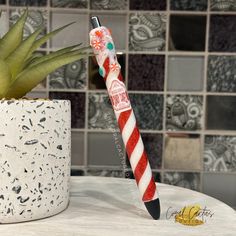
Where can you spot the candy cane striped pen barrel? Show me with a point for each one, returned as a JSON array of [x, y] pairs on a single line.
[[109, 68]]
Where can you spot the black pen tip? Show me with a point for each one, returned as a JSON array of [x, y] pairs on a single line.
[[153, 208]]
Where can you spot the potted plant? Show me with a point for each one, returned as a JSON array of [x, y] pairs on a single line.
[[34, 134]]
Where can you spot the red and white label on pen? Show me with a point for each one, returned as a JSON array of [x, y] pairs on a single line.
[[118, 96]]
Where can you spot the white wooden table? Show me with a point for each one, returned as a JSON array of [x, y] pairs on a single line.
[[111, 206]]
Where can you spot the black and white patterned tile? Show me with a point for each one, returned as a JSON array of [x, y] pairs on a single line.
[[35, 20], [108, 4], [100, 110], [147, 31], [184, 112], [220, 153], [148, 109], [69, 3], [183, 179], [71, 76], [221, 74], [188, 5], [223, 5]]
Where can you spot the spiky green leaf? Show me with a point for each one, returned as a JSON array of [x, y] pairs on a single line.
[[45, 38], [15, 60], [11, 40], [29, 78], [5, 78], [57, 53]]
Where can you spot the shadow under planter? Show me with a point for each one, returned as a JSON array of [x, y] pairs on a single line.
[[35, 141]]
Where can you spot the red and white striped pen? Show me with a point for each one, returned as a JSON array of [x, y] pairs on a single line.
[[109, 68]]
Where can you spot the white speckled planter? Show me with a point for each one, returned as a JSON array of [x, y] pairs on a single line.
[[35, 141]]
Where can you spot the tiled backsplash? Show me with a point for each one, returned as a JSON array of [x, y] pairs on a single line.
[[178, 59]]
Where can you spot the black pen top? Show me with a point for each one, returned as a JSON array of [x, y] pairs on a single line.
[[95, 22]]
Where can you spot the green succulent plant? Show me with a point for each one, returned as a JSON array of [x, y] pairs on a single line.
[[21, 68]]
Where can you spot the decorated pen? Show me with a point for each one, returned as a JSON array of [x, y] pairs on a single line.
[[109, 68]]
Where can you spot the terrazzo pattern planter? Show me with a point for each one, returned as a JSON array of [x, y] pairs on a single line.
[[35, 141]]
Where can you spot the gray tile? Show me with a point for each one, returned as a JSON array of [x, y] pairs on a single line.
[[183, 152], [77, 148], [148, 109], [220, 153], [108, 5], [100, 110], [74, 34], [185, 180], [184, 112], [222, 34], [71, 76], [105, 173], [70, 3], [117, 24], [35, 20], [221, 74], [221, 113], [147, 31], [185, 73], [37, 94], [3, 23], [223, 5], [103, 150], [220, 186]]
